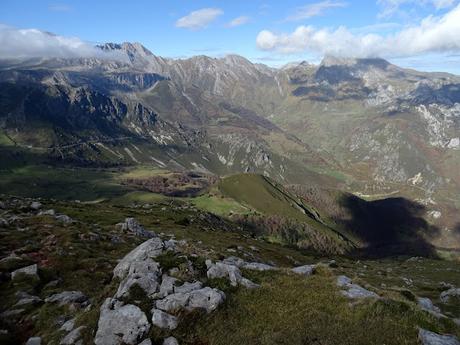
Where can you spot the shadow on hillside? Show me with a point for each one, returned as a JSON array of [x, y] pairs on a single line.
[[394, 226]]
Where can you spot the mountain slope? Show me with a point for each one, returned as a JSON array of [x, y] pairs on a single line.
[[362, 125]]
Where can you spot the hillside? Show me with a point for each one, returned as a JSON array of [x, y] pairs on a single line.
[[363, 125], [62, 262]]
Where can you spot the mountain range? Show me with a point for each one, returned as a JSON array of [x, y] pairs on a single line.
[[364, 126]]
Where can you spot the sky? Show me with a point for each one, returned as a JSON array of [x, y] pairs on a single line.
[[421, 34]]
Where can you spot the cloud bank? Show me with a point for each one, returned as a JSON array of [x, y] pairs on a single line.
[[199, 19], [432, 35], [32, 43]]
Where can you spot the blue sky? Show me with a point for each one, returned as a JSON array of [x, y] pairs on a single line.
[[424, 34]]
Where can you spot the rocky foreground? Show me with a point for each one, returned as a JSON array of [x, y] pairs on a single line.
[[173, 289]]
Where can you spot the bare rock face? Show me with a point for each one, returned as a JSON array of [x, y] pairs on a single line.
[[431, 338], [147, 250], [145, 274], [120, 324]]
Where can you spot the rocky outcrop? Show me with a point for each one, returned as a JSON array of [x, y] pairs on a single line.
[[146, 251], [28, 271], [427, 305], [223, 270], [120, 324], [163, 320], [305, 270], [74, 337], [206, 298], [133, 226], [67, 298], [448, 294], [431, 338]]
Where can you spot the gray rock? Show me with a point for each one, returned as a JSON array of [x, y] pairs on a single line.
[[167, 286], [170, 341], [133, 226], [205, 298], [11, 313], [223, 270], [25, 298], [34, 341], [343, 281], [3, 223], [448, 294], [248, 283], [50, 212], [146, 342], [188, 287], [35, 205], [173, 302], [354, 291], [120, 323], [148, 250], [30, 271], [427, 305], [74, 337], [235, 261], [68, 326], [431, 338], [304, 270], [64, 219], [163, 320], [257, 266], [67, 297], [170, 245], [145, 274]]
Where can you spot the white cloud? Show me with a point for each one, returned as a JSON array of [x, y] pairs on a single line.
[[30, 43], [431, 35], [238, 21], [440, 4], [315, 9], [199, 19], [391, 7]]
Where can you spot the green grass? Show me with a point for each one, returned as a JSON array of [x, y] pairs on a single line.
[[218, 205], [293, 310], [60, 183], [261, 194], [5, 140]]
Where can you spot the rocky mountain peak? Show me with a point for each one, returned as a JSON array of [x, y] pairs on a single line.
[[330, 61]]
